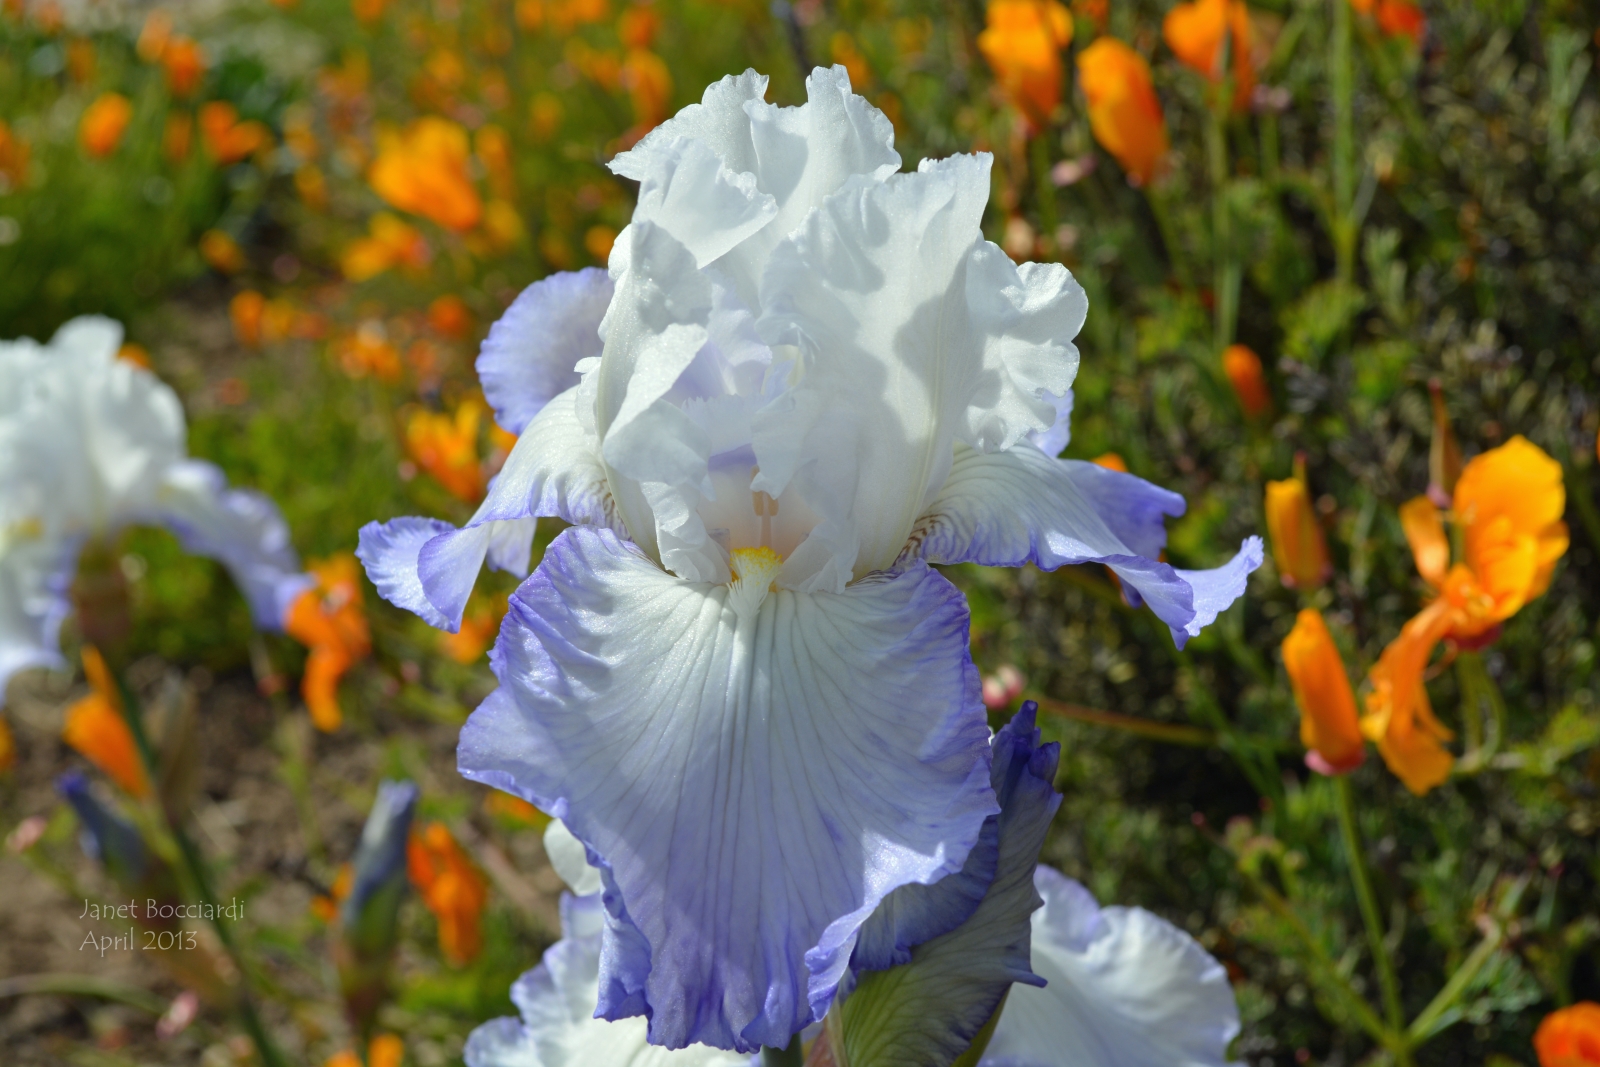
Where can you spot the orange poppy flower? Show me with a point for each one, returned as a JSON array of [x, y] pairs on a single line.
[[425, 171], [449, 317], [1508, 504], [447, 448], [1124, 114], [452, 887], [1569, 1037], [221, 252], [1328, 724], [649, 85], [390, 243], [1299, 549], [226, 138], [96, 728], [154, 35], [103, 124], [369, 351], [1022, 41], [1111, 461], [1196, 31], [1243, 368], [184, 63], [331, 621], [1396, 18], [384, 1050]]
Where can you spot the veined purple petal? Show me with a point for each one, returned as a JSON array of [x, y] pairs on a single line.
[[750, 786], [35, 576], [527, 359]]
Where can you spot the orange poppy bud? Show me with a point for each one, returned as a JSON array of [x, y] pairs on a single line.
[[637, 27], [1328, 724], [103, 123], [1299, 549], [8, 747], [1124, 114], [1243, 368], [1196, 33], [221, 252], [1022, 42], [245, 310], [154, 35], [331, 621], [425, 171], [96, 728], [1401, 18], [176, 137], [1569, 1037], [448, 315], [452, 887], [1111, 462], [447, 448], [185, 65]]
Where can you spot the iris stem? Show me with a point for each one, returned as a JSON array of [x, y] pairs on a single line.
[[1387, 981], [782, 1057], [200, 882], [1342, 78], [1172, 733]]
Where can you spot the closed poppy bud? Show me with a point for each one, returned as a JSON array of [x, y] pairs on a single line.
[[1328, 724], [184, 63], [96, 728], [1022, 41], [1124, 114], [103, 123], [1298, 547], [1570, 1037], [1401, 18], [246, 311], [1243, 368], [1444, 451]]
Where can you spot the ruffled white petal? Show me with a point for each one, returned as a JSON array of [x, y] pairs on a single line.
[[912, 334], [686, 190], [1126, 989], [557, 999], [754, 784], [528, 358], [1052, 441], [241, 530], [570, 859]]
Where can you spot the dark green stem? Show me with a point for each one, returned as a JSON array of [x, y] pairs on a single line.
[[1370, 916], [782, 1057], [1172, 733], [1342, 78]]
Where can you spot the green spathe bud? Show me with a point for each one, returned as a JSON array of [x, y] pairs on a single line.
[[369, 917], [962, 976]]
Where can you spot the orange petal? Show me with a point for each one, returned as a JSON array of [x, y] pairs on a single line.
[[1328, 724], [1424, 530], [1398, 716]]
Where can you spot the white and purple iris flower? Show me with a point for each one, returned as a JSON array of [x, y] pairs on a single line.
[[1112, 987], [805, 378], [90, 444]]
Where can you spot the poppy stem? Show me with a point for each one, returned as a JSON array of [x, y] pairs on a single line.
[[1341, 76], [1371, 917], [1172, 733]]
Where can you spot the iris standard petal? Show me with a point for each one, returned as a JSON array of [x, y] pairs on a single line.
[[556, 1001], [1004, 509], [429, 567], [240, 529], [797, 156], [528, 358], [1126, 989], [912, 335], [754, 786]]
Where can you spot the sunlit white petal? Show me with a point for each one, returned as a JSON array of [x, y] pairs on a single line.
[[1126, 989], [528, 358]]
